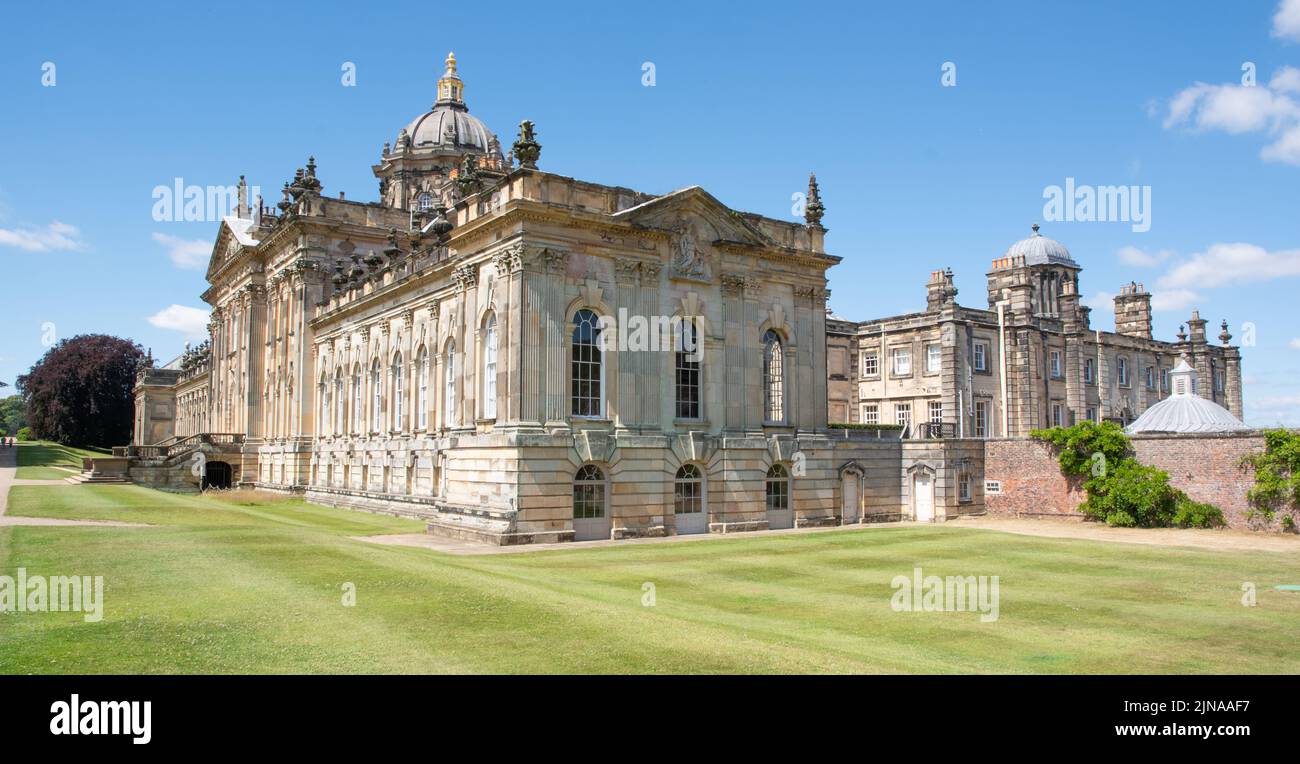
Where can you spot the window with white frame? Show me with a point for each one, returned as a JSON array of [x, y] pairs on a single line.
[[981, 356], [687, 356], [773, 378], [587, 369], [870, 363], [963, 487], [688, 491], [981, 419], [1058, 415], [903, 414], [422, 389], [936, 412], [1092, 414], [357, 405], [933, 358], [1164, 379], [399, 394], [377, 396], [589, 492], [449, 386], [902, 361], [870, 413], [1089, 370], [1151, 377], [1056, 364], [1121, 370], [490, 366]]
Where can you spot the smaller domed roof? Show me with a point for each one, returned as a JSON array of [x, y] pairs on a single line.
[[1037, 249], [1184, 410]]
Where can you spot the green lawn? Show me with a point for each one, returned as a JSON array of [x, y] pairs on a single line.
[[221, 587], [37, 460]]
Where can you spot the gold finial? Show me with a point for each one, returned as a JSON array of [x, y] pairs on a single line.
[[451, 62], [450, 87]]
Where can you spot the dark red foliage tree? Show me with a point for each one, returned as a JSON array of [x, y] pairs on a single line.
[[81, 392]]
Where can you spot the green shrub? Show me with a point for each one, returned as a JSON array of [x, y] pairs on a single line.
[[24, 433], [1088, 449], [1196, 514], [1277, 476], [1134, 495]]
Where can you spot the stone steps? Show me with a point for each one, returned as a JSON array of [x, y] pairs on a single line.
[[86, 477]]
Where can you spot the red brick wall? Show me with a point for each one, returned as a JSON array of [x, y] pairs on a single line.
[[1032, 483], [1203, 466]]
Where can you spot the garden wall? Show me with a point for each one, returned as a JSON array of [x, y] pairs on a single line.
[[1205, 466]]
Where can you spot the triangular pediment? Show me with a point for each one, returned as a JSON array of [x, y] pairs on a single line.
[[699, 211], [234, 234]]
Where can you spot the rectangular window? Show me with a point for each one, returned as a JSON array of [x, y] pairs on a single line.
[[936, 412], [1092, 415], [903, 414], [1121, 367], [963, 487], [870, 413], [981, 356], [1056, 364], [1151, 377], [1218, 382], [933, 358], [1058, 415], [1164, 379], [981, 419], [1089, 370], [902, 362], [870, 364]]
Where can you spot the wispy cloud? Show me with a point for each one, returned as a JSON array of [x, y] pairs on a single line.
[[1100, 301], [1294, 344], [1141, 258], [1239, 108], [1286, 22], [1231, 264], [1173, 299], [185, 253], [192, 322], [53, 237]]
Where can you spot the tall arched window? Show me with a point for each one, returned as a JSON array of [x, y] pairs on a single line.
[[424, 201], [356, 399], [688, 491], [449, 394], [588, 391], [588, 493], [773, 378], [377, 397], [688, 355], [422, 389], [778, 488], [399, 393], [324, 404], [340, 404], [490, 366]]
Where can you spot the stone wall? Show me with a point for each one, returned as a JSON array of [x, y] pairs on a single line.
[[1206, 467]]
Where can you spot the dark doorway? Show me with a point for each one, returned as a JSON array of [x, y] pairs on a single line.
[[216, 475]]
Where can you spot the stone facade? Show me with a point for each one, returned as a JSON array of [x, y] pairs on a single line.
[[1031, 360], [517, 356]]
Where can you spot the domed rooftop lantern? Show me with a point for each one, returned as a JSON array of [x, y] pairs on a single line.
[[1184, 410]]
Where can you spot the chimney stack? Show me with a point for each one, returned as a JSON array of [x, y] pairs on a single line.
[[1133, 311]]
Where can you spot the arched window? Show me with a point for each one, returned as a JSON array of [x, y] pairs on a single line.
[[688, 490], [424, 201], [356, 399], [588, 493], [588, 391], [773, 378], [778, 488], [340, 404], [376, 397], [449, 401], [490, 366], [688, 353], [422, 389], [324, 404], [399, 393]]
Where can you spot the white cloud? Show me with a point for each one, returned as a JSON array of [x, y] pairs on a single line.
[[1100, 301], [1173, 299], [193, 322], [1236, 109], [55, 236], [1140, 258], [1286, 23], [185, 253], [1294, 344], [1274, 410], [1228, 264]]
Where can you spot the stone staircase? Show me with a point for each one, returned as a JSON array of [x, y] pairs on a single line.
[[83, 478]]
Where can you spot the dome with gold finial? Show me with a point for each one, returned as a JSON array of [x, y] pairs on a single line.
[[448, 126]]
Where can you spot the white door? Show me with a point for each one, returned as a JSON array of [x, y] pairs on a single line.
[[591, 528], [692, 520], [923, 497], [851, 509]]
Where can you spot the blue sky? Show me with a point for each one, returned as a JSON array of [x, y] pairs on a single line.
[[746, 101]]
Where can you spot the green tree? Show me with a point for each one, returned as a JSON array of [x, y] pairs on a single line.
[[1277, 476]]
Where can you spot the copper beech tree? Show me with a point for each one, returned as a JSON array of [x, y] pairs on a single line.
[[81, 391]]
